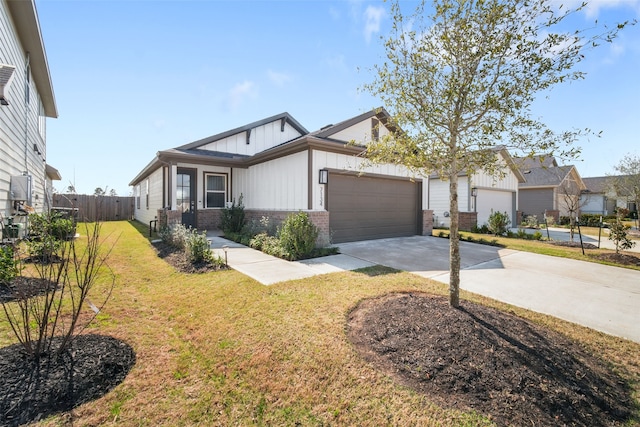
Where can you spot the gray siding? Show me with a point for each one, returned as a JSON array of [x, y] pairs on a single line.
[[535, 201], [21, 123]]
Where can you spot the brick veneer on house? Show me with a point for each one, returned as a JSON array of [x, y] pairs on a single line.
[[467, 221], [427, 222]]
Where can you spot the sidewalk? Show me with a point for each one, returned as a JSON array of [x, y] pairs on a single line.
[[563, 235], [268, 269]]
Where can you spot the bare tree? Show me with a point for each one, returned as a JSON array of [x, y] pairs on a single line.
[[627, 183], [570, 191]]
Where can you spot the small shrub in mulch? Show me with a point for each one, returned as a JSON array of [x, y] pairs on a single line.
[[479, 358], [33, 390], [179, 260]]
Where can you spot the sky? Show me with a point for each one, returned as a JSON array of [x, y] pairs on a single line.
[[135, 77]]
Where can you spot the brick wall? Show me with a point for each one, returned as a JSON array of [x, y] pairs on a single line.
[[467, 221], [209, 219], [427, 222], [319, 218], [167, 218]]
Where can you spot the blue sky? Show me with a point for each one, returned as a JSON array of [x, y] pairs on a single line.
[[135, 77]]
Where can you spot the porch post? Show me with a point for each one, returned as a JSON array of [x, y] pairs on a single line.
[[173, 194]]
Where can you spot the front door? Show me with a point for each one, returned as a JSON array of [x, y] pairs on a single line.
[[186, 192]]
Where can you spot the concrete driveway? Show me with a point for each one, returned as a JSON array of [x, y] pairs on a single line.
[[601, 297]]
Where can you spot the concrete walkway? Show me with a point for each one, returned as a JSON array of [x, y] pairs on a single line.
[[601, 297], [268, 269]]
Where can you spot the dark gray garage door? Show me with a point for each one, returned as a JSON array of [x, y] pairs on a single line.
[[363, 208]]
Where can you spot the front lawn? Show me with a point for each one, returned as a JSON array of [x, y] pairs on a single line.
[[221, 349]]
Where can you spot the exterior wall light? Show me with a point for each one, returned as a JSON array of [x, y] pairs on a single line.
[[474, 194], [323, 176]]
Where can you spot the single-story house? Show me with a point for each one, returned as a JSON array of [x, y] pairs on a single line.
[[278, 167], [601, 198], [479, 195], [549, 189]]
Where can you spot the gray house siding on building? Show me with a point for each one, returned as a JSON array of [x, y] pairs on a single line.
[[535, 201]]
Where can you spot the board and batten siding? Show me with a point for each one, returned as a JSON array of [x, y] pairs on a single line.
[[352, 164], [261, 138], [22, 124], [360, 132], [279, 184], [439, 200]]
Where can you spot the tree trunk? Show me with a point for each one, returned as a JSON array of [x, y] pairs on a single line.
[[454, 243]]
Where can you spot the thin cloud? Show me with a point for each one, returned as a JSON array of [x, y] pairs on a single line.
[[240, 93], [278, 79], [594, 7], [373, 17]]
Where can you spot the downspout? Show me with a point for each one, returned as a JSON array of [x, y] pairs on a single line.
[[26, 113]]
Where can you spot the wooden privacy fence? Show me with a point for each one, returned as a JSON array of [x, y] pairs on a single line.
[[92, 208]]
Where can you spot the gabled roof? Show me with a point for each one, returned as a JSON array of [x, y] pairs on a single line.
[[320, 139], [542, 161], [25, 17], [329, 130], [546, 177], [597, 184], [284, 117]]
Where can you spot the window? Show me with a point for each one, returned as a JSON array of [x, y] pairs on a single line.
[[147, 194], [215, 190], [138, 196]]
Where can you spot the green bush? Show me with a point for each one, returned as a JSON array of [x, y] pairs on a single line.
[[233, 218], [198, 248], [536, 236], [530, 221], [298, 235], [498, 222], [52, 224], [9, 265], [483, 229]]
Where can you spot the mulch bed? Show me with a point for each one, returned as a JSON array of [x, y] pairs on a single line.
[[479, 358], [619, 258], [88, 369], [24, 287], [178, 259], [573, 244]]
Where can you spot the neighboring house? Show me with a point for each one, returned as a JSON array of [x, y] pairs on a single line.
[[26, 100], [600, 197], [478, 195], [549, 188], [278, 167]]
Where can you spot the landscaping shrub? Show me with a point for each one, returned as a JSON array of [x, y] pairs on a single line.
[[233, 218], [536, 236], [483, 229], [298, 235], [198, 248], [564, 220], [498, 222], [9, 265], [530, 221]]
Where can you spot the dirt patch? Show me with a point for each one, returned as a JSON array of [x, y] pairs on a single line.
[[31, 391], [177, 258], [482, 359]]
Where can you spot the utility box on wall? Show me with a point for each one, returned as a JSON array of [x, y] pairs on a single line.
[[20, 190]]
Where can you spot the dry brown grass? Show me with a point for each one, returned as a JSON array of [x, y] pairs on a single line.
[[221, 349]]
